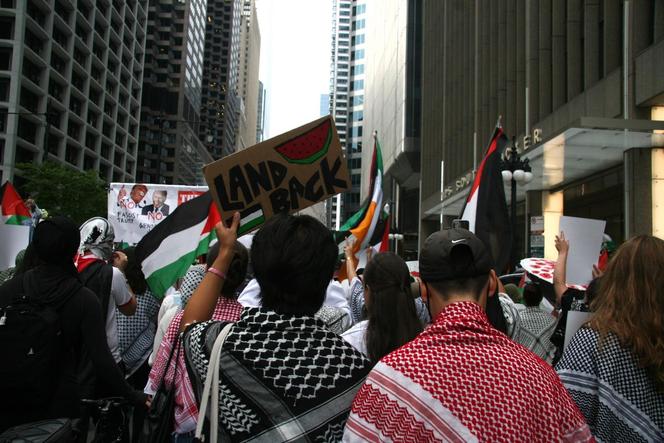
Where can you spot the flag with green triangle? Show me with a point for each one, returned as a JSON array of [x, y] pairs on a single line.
[[14, 225], [14, 211]]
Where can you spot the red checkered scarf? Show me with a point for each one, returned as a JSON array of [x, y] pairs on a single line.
[[186, 409], [462, 380]]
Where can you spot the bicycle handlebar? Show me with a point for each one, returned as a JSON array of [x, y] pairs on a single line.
[[115, 402]]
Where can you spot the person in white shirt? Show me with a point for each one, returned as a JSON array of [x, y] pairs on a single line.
[[101, 270]]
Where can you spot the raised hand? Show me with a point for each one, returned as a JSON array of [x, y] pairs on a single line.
[[348, 248], [562, 244], [227, 235]]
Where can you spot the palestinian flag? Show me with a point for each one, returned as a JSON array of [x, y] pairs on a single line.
[[15, 225], [486, 208], [170, 248], [362, 225], [14, 211]]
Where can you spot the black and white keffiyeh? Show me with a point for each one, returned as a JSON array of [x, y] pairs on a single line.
[[336, 319], [534, 331], [190, 282], [617, 397], [136, 333], [282, 378]]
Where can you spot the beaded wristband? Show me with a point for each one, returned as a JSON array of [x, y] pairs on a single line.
[[217, 272]]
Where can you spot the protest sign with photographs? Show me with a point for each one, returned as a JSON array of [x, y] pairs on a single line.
[[284, 174], [135, 208]]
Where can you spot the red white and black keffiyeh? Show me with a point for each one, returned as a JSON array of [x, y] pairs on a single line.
[[186, 408], [462, 380]]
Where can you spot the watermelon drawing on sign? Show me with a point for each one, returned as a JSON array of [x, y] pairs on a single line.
[[308, 147]]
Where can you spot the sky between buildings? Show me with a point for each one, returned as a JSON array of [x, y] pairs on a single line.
[[295, 60]]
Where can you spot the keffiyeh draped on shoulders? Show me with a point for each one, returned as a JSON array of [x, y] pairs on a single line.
[[616, 395], [282, 377], [136, 332]]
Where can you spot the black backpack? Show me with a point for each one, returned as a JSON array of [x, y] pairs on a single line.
[[31, 342]]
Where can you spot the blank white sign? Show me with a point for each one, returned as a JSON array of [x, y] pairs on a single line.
[[585, 237], [575, 320]]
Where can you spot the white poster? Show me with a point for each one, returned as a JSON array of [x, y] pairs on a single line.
[[135, 208], [13, 239], [585, 237]]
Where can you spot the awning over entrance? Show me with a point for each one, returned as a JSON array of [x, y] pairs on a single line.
[[588, 146], [591, 145]]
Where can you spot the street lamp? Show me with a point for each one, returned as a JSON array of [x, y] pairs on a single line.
[[515, 170]]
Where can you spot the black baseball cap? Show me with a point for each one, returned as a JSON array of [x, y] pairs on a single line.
[[453, 254]]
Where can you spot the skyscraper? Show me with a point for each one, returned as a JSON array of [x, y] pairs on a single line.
[[260, 120], [351, 199], [339, 69], [392, 106], [250, 51], [170, 151], [221, 75], [70, 84], [347, 98]]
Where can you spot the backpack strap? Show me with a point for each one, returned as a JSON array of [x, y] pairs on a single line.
[[99, 278], [211, 389]]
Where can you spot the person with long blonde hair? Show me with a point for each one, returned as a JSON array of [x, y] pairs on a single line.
[[614, 366]]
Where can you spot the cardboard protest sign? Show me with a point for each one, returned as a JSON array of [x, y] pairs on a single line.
[[585, 243], [135, 208], [286, 173]]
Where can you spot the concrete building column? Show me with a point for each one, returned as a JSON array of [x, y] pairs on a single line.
[[592, 69], [574, 48], [657, 186], [638, 188], [552, 209]]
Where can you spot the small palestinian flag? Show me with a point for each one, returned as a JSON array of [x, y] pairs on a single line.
[[170, 248], [14, 211]]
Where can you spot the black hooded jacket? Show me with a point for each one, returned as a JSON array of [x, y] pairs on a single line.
[[82, 326]]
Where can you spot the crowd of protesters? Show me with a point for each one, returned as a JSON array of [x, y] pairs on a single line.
[[447, 355]]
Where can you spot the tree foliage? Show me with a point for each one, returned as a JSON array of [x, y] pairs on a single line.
[[65, 191]]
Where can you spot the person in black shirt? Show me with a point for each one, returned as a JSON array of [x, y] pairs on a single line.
[[53, 280]]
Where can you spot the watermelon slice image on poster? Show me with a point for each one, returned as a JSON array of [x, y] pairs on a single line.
[[308, 147]]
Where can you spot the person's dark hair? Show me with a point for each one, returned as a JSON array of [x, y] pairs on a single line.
[[134, 273], [462, 259], [237, 270], [391, 312], [293, 259], [472, 285], [532, 294], [212, 254]]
